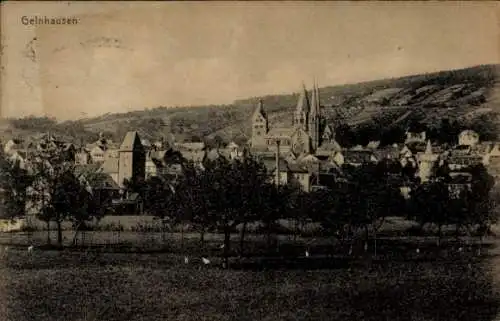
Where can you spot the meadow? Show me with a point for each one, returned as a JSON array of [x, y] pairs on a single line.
[[399, 283]]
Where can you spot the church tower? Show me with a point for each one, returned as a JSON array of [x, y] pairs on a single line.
[[260, 126], [426, 164], [132, 159], [302, 111], [314, 118]]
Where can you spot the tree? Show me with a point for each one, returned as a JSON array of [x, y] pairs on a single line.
[[344, 135], [275, 204], [431, 203], [93, 204], [157, 196], [14, 182], [371, 197], [70, 201], [136, 185], [331, 210], [235, 194], [482, 200], [298, 207], [55, 191], [191, 197]]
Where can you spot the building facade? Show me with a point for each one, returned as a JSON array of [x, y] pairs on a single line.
[[306, 135]]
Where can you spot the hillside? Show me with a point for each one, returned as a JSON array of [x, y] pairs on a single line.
[[463, 95]]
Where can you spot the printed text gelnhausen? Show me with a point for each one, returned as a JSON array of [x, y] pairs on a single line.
[[44, 20]]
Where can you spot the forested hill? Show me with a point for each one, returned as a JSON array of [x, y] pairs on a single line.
[[467, 97]]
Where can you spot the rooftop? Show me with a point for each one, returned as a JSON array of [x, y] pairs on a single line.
[[132, 142]]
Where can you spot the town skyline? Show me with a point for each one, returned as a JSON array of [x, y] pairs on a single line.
[[113, 69]]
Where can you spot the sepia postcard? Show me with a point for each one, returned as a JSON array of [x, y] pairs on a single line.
[[250, 160]]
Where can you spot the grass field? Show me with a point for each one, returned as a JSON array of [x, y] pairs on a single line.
[[399, 285]]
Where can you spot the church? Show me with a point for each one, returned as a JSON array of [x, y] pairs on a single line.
[[308, 134]]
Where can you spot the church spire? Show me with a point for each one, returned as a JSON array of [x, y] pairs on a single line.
[[315, 103], [260, 109], [318, 102], [303, 102], [314, 100], [428, 148]]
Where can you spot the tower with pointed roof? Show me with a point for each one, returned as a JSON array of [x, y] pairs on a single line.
[[132, 159], [427, 163], [303, 137], [260, 126], [300, 117], [314, 118]]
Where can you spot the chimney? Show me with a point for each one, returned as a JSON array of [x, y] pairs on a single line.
[[277, 162]]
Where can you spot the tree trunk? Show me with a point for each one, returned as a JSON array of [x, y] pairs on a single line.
[[76, 235], [227, 244], [163, 233], [480, 244], [59, 233], [182, 237], [269, 236], [242, 238], [48, 232], [440, 233], [202, 237], [366, 237]]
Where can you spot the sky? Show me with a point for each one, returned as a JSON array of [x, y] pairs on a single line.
[[134, 55]]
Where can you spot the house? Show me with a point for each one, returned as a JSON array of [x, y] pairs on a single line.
[[102, 185], [190, 146], [196, 157], [328, 149], [83, 157], [164, 163], [131, 204], [19, 156], [194, 152], [97, 154], [414, 147], [373, 145], [493, 161], [459, 182], [88, 169], [468, 138], [290, 157], [463, 156], [355, 157], [309, 162], [102, 149], [234, 151], [415, 135], [289, 173], [153, 167], [387, 152], [13, 145], [110, 167]]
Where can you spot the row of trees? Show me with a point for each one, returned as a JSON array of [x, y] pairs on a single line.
[[49, 188], [225, 194], [229, 193]]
